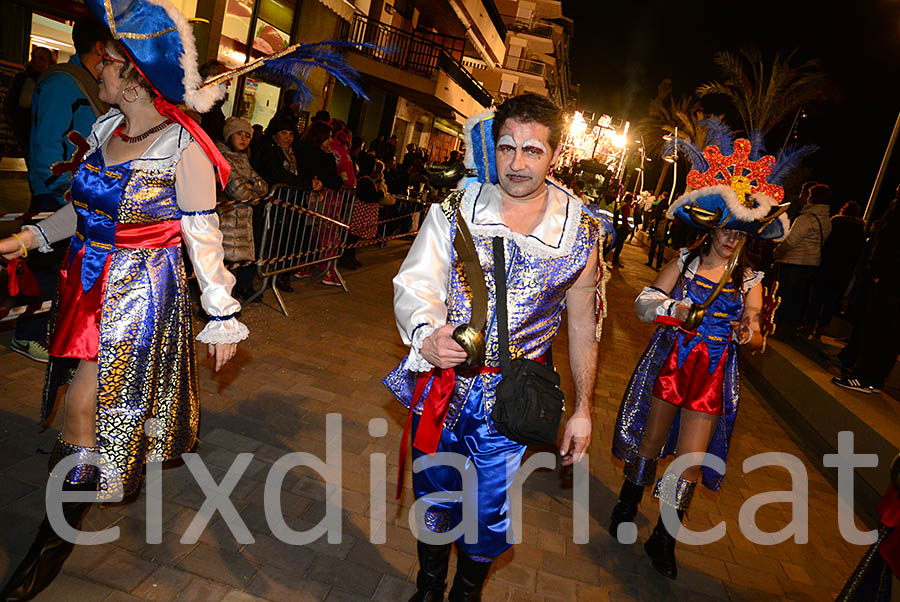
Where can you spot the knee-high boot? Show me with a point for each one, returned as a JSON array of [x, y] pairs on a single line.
[[49, 551], [675, 492], [470, 577], [432, 578], [639, 473]]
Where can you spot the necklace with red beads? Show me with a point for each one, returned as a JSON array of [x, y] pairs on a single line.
[[119, 132]]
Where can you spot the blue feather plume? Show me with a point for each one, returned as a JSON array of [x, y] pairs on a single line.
[[691, 151], [719, 134], [757, 145], [787, 161], [291, 70]]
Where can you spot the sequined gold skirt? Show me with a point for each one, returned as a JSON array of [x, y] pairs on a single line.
[[147, 394]]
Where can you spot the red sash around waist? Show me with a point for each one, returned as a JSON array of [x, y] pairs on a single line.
[[156, 235]]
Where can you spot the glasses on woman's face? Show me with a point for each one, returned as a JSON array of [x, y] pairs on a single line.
[[108, 59]]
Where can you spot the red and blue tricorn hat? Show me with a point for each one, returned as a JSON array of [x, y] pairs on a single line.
[[734, 184], [160, 42]]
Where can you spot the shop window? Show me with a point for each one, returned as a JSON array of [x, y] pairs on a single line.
[[235, 30]]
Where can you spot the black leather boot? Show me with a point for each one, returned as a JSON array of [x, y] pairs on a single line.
[[626, 509], [661, 549], [432, 578], [469, 579], [47, 554]]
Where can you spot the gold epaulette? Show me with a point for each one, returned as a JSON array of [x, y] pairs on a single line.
[[452, 202]]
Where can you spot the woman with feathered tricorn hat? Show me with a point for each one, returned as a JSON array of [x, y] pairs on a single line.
[[123, 320], [683, 394]]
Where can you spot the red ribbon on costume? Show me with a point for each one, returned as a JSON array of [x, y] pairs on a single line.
[[167, 109], [889, 509], [21, 280], [434, 412]]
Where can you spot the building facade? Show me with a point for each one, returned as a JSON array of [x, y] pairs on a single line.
[[538, 38]]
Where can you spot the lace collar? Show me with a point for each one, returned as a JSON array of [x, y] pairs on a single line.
[[553, 237]]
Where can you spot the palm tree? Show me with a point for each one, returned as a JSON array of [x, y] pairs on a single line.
[[764, 98], [662, 119]]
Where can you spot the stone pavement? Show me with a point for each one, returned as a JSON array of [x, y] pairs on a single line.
[[328, 357]]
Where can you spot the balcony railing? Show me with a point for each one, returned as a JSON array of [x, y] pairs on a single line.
[[535, 27], [415, 52], [524, 65]]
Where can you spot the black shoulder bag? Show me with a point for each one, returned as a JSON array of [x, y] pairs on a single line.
[[529, 402]]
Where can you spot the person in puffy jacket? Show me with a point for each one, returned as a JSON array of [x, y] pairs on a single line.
[[800, 254], [244, 184]]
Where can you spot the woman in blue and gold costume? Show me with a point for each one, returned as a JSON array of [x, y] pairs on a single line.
[[122, 334], [683, 395]]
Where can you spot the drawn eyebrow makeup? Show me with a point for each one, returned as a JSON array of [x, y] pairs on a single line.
[[507, 140], [534, 143]]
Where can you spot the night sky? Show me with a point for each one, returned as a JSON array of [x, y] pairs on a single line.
[[623, 49]]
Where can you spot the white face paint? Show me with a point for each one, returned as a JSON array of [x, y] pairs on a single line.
[[534, 143], [507, 140]]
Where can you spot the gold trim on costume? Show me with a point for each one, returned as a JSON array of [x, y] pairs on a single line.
[[147, 36], [93, 168], [101, 245], [80, 205], [103, 213]]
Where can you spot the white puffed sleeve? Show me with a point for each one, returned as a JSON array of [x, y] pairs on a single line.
[[420, 287], [195, 187]]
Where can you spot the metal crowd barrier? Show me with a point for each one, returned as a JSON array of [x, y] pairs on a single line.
[[301, 229], [397, 221]]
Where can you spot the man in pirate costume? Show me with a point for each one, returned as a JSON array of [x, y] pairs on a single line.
[[551, 243], [122, 336], [683, 395]]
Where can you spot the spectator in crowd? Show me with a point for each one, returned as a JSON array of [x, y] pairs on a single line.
[[411, 152], [323, 116], [364, 219], [213, 120], [840, 255], [390, 150], [340, 146], [17, 104], [276, 161], [315, 160], [873, 347], [66, 98], [244, 184], [256, 142], [621, 215], [277, 164], [659, 234], [800, 254], [358, 145], [290, 110]]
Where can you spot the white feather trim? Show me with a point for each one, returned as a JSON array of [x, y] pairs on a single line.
[[763, 202], [195, 98], [469, 159]]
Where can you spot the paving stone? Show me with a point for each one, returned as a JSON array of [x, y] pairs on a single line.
[[347, 576], [164, 583], [391, 589], [64, 585], [199, 588], [122, 569], [219, 565], [271, 585]]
